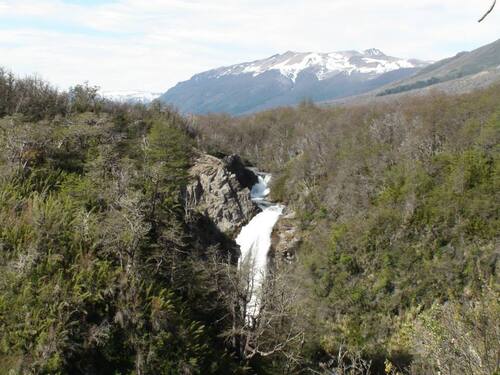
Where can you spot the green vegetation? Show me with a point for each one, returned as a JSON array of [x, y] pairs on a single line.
[[99, 273], [412, 86], [102, 271], [398, 210]]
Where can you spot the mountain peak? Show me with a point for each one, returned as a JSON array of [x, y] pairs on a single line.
[[371, 63], [373, 52], [287, 78]]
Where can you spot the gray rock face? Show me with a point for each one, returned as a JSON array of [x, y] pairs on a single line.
[[245, 176], [220, 190], [285, 238]]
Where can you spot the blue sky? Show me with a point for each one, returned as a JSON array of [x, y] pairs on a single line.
[[151, 45]]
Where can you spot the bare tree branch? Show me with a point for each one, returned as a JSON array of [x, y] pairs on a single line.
[[489, 10]]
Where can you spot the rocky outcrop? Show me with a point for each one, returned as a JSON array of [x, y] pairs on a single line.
[[246, 177], [285, 238], [220, 190]]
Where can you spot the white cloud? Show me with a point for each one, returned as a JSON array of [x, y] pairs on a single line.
[[150, 45]]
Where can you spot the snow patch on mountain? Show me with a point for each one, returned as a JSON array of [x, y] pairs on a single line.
[[371, 62], [131, 96]]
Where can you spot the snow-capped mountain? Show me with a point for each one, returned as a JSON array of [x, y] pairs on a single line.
[[288, 78], [130, 96], [324, 65]]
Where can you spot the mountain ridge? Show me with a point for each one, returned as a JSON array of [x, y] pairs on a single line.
[[287, 79], [290, 64], [461, 67]]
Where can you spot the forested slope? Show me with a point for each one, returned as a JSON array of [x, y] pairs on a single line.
[[104, 271], [398, 209], [99, 271]]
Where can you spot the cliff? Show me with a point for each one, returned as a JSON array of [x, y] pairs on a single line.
[[220, 190]]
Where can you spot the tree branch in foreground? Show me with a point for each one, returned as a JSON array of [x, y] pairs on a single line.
[[489, 10]]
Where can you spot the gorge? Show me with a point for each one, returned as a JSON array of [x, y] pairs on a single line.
[[122, 226], [234, 199]]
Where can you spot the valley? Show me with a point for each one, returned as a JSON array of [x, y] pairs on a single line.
[[252, 231]]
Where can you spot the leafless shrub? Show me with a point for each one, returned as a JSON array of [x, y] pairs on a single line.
[[345, 363], [461, 338]]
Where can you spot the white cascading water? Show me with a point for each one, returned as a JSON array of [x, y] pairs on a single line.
[[255, 241]]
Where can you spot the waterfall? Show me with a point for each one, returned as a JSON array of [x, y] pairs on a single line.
[[255, 241]]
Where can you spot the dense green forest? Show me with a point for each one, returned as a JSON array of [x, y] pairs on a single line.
[[102, 271]]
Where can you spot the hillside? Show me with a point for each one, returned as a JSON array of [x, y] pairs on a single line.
[[118, 227], [287, 79], [462, 68], [102, 270], [397, 205]]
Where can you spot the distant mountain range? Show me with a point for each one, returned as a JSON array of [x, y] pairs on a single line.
[[287, 79], [143, 97]]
